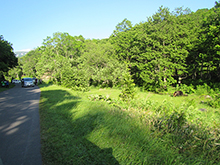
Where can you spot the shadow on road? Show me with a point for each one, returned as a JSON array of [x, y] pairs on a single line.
[[19, 126]]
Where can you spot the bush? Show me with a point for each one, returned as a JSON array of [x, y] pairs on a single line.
[[214, 101], [186, 89], [75, 80], [128, 87], [203, 89]]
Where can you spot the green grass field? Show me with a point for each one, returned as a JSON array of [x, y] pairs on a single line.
[[152, 129]]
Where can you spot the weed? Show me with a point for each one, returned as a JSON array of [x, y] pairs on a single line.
[[153, 129]]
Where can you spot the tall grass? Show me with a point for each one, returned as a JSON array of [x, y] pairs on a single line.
[[155, 129]]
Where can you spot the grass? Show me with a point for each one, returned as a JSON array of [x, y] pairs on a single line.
[[75, 130]]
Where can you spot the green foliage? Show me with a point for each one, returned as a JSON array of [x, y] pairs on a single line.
[[29, 61], [176, 134], [15, 72], [65, 45], [185, 88], [194, 139], [217, 4], [128, 87], [155, 50], [171, 123], [99, 66], [203, 90], [74, 62], [100, 98], [124, 26], [214, 100], [179, 47], [161, 15], [204, 60], [7, 58]]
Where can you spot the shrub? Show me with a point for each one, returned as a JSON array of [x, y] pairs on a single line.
[[186, 89], [128, 87], [214, 101], [203, 89]]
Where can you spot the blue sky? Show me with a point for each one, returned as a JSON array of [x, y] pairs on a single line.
[[25, 23]]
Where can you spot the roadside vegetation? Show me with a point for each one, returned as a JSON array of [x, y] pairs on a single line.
[[110, 101], [88, 128], [4, 88], [169, 48]]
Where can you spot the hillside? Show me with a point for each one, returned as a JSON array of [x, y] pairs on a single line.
[[21, 53]]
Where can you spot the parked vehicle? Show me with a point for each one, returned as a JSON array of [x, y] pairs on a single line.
[[16, 81], [27, 82]]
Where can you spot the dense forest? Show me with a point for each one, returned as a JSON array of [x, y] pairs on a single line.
[[170, 48]]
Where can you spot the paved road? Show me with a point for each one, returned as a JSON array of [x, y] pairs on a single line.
[[19, 126]]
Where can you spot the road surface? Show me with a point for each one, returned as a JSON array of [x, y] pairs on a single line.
[[20, 126]]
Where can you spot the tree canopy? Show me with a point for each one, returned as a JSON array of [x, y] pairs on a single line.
[[7, 57], [168, 49]]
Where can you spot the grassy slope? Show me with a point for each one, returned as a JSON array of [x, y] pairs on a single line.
[[75, 130]]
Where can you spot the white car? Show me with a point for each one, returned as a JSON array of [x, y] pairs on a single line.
[[27, 82], [16, 81]]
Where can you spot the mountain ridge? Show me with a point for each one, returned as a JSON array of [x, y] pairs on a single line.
[[21, 53]]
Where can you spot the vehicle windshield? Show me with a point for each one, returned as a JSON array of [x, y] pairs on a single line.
[[28, 79]]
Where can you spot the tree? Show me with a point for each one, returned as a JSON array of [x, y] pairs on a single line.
[[208, 46], [128, 91], [7, 58], [64, 44], [29, 62], [58, 55], [180, 11], [161, 15], [155, 51], [124, 26], [15, 72], [100, 66], [217, 4]]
